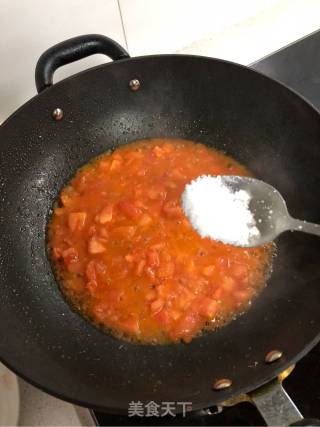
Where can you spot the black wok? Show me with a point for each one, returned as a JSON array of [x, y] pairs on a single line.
[[260, 122]]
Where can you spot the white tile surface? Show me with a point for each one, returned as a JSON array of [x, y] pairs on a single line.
[[29, 27], [258, 36], [163, 26]]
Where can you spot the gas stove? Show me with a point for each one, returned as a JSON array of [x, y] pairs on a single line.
[[297, 66]]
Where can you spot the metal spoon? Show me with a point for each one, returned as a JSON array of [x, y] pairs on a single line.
[[269, 210]]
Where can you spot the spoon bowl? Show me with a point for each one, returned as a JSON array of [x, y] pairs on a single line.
[[269, 210]]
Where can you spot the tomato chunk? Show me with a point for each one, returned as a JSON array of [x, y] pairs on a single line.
[[129, 209], [77, 220], [96, 246], [207, 307], [153, 259], [105, 215], [166, 270]]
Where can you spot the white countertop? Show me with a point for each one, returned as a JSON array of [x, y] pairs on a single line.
[[241, 31]]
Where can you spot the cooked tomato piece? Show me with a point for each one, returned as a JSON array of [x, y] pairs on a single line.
[[209, 270], [140, 266], [129, 209], [166, 270], [105, 215], [157, 305], [145, 220], [92, 286], [153, 259], [186, 326], [77, 220], [96, 245], [70, 255], [172, 209], [56, 253], [130, 326], [115, 165], [206, 306], [124, 232]]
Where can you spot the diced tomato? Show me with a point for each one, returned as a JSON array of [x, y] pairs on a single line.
[[92, 230], [185, 297], [105, 165], [167, 147], [140, 266], [66, 200], [71, 260], [91, 271], [166, 270], [92, 286], [157, 305], [157, 246], [172, 185], [105, 215], [177, 174], [228, 284], [243, 295], [124, 232], [115, 165], [129, 209], [206, 306], [165, 256], [129, 258], [172, 210], [186, 326], [218, 294], [209, 270], [101, 311], [77, 220], [158, 151], [151, 295], [103, 232], [164, 318], [150, 273], [175, 314], [240, 272], [59, 211], [115, 295], [96, 245], [153, 259], [70, 255], [145, 220], [56, 253], [130, 326], [222, 263]]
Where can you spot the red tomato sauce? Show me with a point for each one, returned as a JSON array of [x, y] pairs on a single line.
[[128, 259]]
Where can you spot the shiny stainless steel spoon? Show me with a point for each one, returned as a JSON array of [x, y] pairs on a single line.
[[269, 210]]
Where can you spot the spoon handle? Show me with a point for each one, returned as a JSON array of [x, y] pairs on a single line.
[[305, 227]]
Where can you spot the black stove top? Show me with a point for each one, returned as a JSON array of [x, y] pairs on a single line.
[[297, 66]]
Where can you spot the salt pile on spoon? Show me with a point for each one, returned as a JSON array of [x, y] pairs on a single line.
[[218, 212]]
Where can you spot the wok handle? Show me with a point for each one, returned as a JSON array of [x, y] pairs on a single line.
[[275, 405], [72, 50]]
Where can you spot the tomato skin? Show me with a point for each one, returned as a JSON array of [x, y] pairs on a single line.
[[130, 258]]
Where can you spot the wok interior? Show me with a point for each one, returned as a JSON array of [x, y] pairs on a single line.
[[228, 107]]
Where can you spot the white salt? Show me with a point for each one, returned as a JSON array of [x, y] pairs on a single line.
[[218, 212]]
